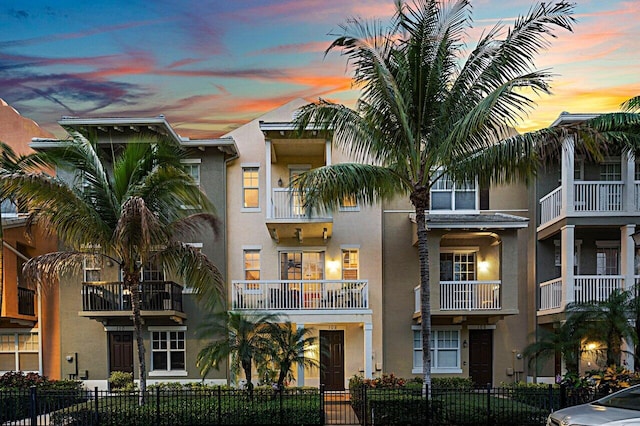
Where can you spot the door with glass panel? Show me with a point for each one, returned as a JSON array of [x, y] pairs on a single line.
[[302, 273]]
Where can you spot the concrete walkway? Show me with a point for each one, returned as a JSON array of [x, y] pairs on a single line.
[[337, 409]]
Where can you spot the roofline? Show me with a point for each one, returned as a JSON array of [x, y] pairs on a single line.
[[266, 126], [569, 117], [72, 122]]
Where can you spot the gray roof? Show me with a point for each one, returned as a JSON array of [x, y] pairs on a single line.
[[475, 221]]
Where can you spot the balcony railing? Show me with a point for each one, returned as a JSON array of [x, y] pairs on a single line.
[[469, 295], [155, 296], [589, 197], [586, 288], [289, 204], [300, 295], [26, 301]]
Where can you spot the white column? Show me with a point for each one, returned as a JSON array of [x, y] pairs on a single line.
[[628, 167], [627, 255], [267, 162], [566, 176], [327, 152], [300, 380], [368, 350], [567, 258]]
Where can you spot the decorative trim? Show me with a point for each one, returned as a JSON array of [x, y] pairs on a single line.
[[170, 373], [191, 161], [167, 328]]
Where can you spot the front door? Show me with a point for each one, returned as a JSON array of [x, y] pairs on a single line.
[[332, 359], [481, 356], [121, 351]]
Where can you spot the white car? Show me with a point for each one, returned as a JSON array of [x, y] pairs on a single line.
[[618, 409]]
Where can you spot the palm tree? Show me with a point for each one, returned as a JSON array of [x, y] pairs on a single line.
[[563, 340], [126, 207], [425, 111], [10, 161], [290, 346], [606, 322], [244, 337]]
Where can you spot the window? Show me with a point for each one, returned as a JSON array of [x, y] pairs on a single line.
[[19, 351], [152, 270], [167, 350], [350, 264], [349, 204], [297, 265], [445, 351], [192, 168], [448, 195], [611, 171], [250, 188], [607, 260], [93, 268], [252, 268], [458, 266], [9, 209]]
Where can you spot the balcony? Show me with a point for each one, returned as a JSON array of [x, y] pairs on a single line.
[[585, 288], [597, 198], [289, 296], [288, 218], [26, 301], [112, 299], [470, 296]]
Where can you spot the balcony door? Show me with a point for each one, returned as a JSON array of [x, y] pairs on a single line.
[[302, 265], [297, 200]]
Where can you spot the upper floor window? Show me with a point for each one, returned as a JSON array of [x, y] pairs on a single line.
[[611, 171], [350, 264], [607, 258], [192, 168], [252, 268], [449, 195], [93, 268], [250, 187], [458, 266], [349, 204], [298, 265], [9, 208], [152, 271]]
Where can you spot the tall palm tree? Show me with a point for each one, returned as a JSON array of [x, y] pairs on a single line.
[[10, 161], [126, 207], [290, 345], [426, 111], [244, 337], [606, 322]]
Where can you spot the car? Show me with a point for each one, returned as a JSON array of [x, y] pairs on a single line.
[[618, 409]]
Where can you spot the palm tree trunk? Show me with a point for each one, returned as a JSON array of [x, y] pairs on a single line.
[[1, 263], [132, 281], [420, 199], [246, 366]]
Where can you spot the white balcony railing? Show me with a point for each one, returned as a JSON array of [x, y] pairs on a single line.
[[551, 205], [469, 295], [586, 288], [551, 294], [598, 196], [289, 295], [289, 204], [596, 288]]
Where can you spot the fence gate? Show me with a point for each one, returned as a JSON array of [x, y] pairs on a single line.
[[337, 408]]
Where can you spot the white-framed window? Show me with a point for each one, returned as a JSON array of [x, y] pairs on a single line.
[[8, 208], [92, 268], [191, 166], [445, 350], [458, 266], [19, 351], [168, 351], [611, 171], [349, 204], [449, 195], [152, 270], [350, 264], [250, 187], [252, 268], [302, 265], [607, 258]]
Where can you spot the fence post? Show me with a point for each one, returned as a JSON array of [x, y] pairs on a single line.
[[219, 405], [33, 405], [563, 395], [365, 411], [322, 419], [280, 392], [489, 423], [428, 410], [550, 398], [95, 400], [158, 406]]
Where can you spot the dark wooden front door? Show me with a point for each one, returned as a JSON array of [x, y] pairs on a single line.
[[121, 351], [332, 359], [481, 356]]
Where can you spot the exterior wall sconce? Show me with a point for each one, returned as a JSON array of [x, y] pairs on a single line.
[[483, 266], [464, 343], [280, 182]]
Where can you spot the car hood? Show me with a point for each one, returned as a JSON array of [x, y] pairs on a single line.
[[592, 414]]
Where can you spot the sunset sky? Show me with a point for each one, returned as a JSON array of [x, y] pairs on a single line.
[[210, 66]]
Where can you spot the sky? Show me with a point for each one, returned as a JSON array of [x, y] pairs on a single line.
[[212, 65]]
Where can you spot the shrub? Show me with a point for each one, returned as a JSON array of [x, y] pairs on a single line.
[[612, 379], [459, 383], [20, 380], [121, 381]]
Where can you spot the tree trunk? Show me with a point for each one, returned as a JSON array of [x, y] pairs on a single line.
[[246, 366], [132, 281], [420, 200], [1, 263]]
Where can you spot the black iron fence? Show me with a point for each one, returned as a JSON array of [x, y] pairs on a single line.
[[308, 406]]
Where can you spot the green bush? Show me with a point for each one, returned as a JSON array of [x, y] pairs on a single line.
[[470, 408], [121, 381], [459, 383]]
